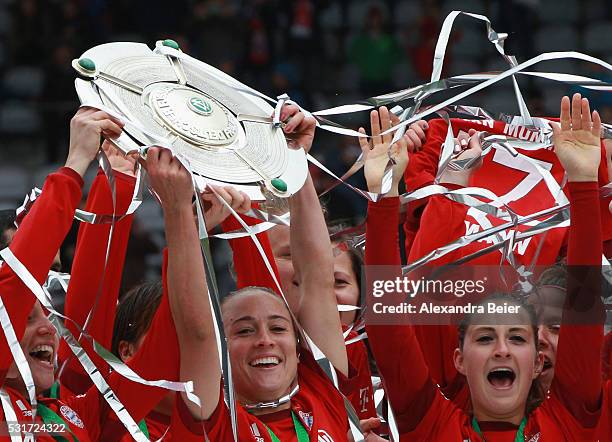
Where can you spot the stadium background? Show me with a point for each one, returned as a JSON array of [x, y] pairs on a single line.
[[321, 52]]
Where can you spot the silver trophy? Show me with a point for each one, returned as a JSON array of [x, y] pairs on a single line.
[[167, 98]]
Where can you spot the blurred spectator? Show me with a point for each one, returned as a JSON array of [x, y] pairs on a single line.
[[59, 101], [519, 18], [421, 52], [31, 25], [375, 52], [216, 33]]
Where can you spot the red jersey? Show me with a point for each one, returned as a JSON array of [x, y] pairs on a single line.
[[361, 393], [317, 405], [423, 413], [35, 244], [437, 342], [88, 273], [80, 414], [604, 429]]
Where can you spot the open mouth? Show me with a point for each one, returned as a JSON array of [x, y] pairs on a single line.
[[547, 364], [265, 362], [501, 378], [43, 353]]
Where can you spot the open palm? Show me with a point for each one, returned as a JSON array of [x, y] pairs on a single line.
[[576, 139], [376, 154]]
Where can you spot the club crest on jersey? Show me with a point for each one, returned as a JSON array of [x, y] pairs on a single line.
[[71, 416], [306, 419]]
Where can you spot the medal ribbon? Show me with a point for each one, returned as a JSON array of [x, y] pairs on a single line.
[[520, 433], [300, 431], [51, 417]]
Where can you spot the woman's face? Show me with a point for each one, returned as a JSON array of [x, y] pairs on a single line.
[[262, 346], [500, 362], [548, 302], [346, 286], [39, 344]]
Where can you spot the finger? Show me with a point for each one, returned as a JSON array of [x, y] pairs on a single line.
[[223, 194], [110, 128], [236, 197], [422, 124], [85, 110], [409, 143], [295, 122], [107, 147], [288, 111], [385, 123], [576, 111], [471, 132], [363, 141], [474, 143], [564, 118], [370, 423], [585, 110], [414, 139], [596, 129], [165, 156], [207, 196], [375, 125], [153, 154], [246, 204], [101, 115], [418, 129]]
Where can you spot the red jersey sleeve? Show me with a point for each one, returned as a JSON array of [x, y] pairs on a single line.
[[157, 358], [578, 364], [442, 222], [408, 386], [90, 275], [362, 393], [35, 244], [382, 236], [248, 263]]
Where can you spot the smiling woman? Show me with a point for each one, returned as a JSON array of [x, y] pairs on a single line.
[[262, 343], [282, 394], [39, 344]]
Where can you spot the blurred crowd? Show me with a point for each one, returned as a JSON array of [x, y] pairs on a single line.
[[321, 52]]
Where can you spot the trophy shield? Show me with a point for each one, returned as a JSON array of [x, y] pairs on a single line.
[[170, 99]]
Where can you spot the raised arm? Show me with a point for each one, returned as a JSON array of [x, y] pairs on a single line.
[[187, 288], [42, 231], [248, 264], [578, 369], [408, 386], [90, 279], [311, 253]]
